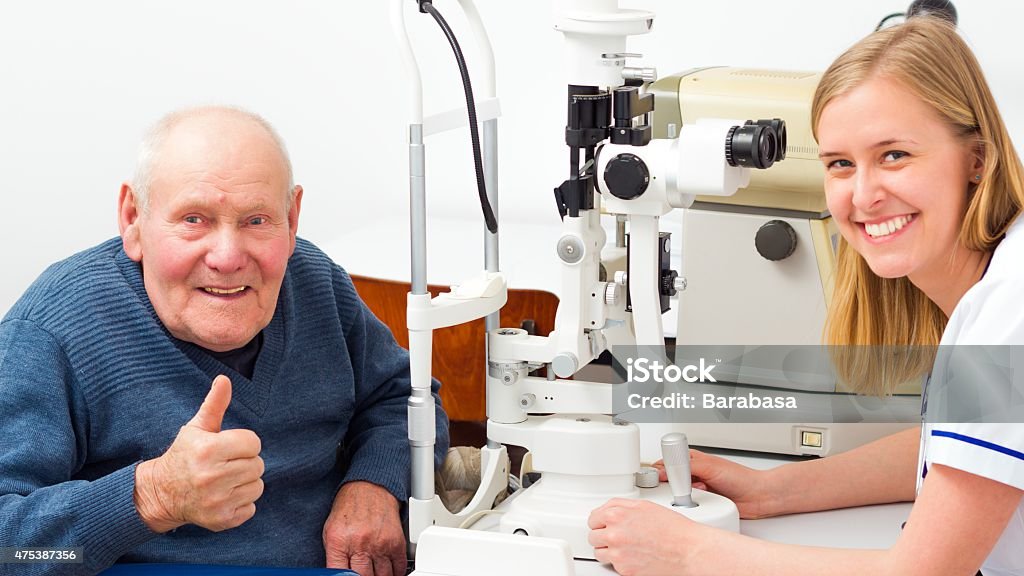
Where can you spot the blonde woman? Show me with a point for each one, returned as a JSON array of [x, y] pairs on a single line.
[[926, 188]]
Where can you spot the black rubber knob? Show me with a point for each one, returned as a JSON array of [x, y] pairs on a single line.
[[626, 176], [936, 8], [668, 282], [775, 240]]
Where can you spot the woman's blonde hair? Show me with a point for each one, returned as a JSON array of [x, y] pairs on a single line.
[[928, 57]]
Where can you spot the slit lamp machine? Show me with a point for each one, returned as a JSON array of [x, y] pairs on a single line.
[[638, 148]]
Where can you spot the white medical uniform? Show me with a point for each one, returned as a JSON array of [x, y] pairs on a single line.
[[990, 313]]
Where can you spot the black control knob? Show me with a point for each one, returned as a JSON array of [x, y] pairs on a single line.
[[668, 282], [775, 240], [626, 176], [935, 8]]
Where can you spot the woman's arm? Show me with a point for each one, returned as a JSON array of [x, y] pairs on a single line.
[[955, 523], [880, 472]]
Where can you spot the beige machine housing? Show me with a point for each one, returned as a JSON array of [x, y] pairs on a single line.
[[745, 93], [734, 295]]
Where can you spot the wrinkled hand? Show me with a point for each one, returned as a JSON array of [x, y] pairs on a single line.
[[744, 486], [639, 537], [208, 477], [364, 531]]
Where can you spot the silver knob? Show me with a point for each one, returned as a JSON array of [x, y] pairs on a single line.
[[527, 400], [675, 452], [611, 293], [507, 372], [565, 364], [620, 277], [679, 283], [620, 55], [570, 249], [646, 74], [646, 477]]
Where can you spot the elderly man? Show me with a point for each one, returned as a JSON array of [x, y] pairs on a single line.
[[206, 388]]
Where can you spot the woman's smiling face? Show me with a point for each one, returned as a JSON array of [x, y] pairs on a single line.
[[896, 178]]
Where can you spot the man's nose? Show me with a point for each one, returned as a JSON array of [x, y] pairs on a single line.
[[227, 251], [868, 190]]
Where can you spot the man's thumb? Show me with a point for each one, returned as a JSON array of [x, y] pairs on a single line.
[[211, 413]]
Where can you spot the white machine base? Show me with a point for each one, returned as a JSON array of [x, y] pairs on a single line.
[[536, 513], [458, 552], [556, 536]]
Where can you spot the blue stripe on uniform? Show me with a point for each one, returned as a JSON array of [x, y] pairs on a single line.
[[982, 443]]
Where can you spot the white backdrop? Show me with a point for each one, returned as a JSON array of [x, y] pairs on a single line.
[[79, 82]]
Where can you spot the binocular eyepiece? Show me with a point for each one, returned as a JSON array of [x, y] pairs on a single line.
[[756, 144]]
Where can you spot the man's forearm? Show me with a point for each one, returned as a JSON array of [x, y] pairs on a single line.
[[97, 516]]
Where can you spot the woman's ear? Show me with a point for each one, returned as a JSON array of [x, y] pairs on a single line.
[[978, 167]]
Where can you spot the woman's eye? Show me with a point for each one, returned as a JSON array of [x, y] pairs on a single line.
[[894, 155], [840, 164], [192, 220]]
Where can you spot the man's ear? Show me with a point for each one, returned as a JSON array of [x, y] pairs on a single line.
[[128, 220], [293, 214]]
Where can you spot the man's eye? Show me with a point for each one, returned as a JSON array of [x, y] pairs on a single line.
[[193, 220], [257, 221]]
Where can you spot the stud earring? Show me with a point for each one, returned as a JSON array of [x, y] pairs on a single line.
[[977, 177]]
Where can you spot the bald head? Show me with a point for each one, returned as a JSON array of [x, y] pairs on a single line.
[[191, 137]]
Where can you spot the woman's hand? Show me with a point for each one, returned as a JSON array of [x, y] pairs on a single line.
[[747, 487], [641, 537]]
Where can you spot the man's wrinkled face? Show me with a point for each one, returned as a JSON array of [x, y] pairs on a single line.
[[215, 239]]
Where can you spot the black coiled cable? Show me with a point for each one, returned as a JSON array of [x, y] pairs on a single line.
[[485, 204]]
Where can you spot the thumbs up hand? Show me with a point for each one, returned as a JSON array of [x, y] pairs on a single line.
[[208, 477], [211, 413]]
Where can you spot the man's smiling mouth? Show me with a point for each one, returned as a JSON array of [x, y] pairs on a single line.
[[224, 291]]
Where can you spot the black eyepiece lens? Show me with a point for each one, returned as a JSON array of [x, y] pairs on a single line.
[[752, 146], [779, 125]]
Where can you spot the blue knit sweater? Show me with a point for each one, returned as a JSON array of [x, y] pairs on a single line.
[[91, 383]]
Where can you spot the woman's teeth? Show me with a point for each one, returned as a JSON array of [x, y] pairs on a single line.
[[887, 227]]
